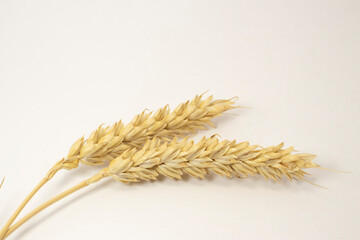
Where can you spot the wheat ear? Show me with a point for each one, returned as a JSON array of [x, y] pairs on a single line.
[[226, 158], [107, 143]]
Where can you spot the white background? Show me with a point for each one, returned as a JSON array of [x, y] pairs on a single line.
[[68, 66]]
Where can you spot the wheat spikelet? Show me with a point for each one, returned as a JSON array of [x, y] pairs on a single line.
[[226, 158], [107, 143]]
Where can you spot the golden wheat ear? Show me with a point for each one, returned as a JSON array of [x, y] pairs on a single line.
[[226, 158], [107, 143]]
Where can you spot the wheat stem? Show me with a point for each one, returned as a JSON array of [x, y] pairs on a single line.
[[81, 185], [45, 205], [2, 182], [16, 213], [21, 207]]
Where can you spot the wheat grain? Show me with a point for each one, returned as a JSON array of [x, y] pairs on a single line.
[[226, 158]]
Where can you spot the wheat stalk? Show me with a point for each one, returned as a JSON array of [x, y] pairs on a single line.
[[172, 159], [107, 143]]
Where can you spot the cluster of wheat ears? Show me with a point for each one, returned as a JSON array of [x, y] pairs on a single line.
[[154, 144]]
